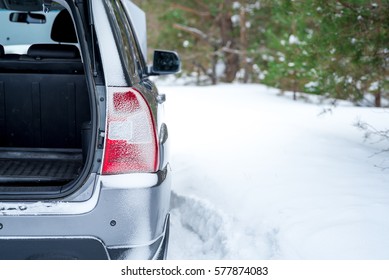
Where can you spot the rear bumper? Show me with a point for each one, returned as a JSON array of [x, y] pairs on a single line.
[[126, 217], [79, 248]]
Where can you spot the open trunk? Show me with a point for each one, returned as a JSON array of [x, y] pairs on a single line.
[[44, 126], [45, 106]]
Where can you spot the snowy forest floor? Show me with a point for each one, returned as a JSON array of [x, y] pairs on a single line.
[[260, 176]]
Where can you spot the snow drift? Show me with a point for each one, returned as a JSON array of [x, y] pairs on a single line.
[[259, 176]]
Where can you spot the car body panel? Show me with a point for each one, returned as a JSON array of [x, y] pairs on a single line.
[[125, 211]]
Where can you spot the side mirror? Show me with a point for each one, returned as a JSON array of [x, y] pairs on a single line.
[[27, 17], [164, 63]]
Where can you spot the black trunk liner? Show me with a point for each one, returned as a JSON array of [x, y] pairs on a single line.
[[39, 167]]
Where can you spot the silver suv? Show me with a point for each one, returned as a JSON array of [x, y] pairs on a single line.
[[84, 172]]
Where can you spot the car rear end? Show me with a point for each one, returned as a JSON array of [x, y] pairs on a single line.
[[113, 143]]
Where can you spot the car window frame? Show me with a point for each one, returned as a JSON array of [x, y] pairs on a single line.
[[135, 41], [126, 42]]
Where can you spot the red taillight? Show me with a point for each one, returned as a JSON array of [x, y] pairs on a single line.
[[131, 141]]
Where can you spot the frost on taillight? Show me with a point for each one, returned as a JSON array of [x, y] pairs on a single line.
[[131, 141]]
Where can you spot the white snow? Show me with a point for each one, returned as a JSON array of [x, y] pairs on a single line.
[[259, 176], [293, 40], [235, 19], [236, 5], [311, 85], [374, 86]]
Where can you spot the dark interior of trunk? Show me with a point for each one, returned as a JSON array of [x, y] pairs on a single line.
[[44, 113], [44, 122]]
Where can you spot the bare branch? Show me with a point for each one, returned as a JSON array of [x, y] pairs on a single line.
[[202, 4], [190, 10], [347, 5], [202, 68], [229, 50], [197, 33]]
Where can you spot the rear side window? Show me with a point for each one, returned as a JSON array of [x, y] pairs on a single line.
[[131, 58]]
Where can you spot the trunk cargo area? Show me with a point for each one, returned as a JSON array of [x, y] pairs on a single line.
[[39, 166], [44, 122]]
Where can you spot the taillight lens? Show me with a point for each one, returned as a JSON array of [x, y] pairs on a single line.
[[131, 141]]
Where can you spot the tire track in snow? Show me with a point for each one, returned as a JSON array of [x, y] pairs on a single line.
[[199, 230]]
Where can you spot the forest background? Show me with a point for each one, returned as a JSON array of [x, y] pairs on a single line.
[[337, 49]]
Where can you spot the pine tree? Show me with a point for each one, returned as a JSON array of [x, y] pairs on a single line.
[[288, 65], [352, 48], [209, 34], [334, 48]]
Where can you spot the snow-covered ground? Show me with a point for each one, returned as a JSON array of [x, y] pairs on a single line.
[[259, 176]]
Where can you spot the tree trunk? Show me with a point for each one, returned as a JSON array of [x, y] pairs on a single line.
[[294, 87], [215, 58], [244, 44], [232, 67], [227, 39], [377, 99]]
